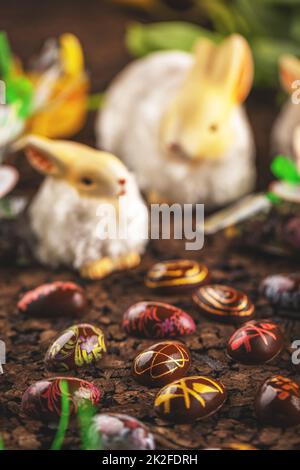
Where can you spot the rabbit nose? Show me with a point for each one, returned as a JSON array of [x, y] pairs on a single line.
[[177, 150]]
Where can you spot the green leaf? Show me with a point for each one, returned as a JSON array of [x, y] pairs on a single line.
[[285, 170], [19, 91], [64, 417]]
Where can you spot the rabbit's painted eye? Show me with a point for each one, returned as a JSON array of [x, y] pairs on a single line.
[[87, 182], [213, 127]]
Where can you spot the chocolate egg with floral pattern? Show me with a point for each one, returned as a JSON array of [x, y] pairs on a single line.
[[283, 292], [161, 364], [54, 299], [157, 320], [190, 399], [43, 400], [175, 276], [278, 402], [78, 346], [257, 342], [112, 431]]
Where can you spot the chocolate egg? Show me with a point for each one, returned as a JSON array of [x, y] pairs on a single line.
[[257, 342], [120, 432], [54, 299], [157, 320], [283, 291], [161, 364], [77, 346], [43, 399], [175, 276], [190, 399], [223, 303], [278, 402]]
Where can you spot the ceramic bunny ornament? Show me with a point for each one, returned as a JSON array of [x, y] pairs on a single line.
[[286, 131], [176, 120], [66, 215]]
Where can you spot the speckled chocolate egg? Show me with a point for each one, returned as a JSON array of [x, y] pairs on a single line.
[[43, 399], [257, 342], [278, 402], [283, 291], [161, 364], [175, 276], [190, 399], [76, 347], [157, 320], [120, 432], [223, 303], [54, 299]]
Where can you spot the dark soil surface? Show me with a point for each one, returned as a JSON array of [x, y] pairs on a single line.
[[27, 339]]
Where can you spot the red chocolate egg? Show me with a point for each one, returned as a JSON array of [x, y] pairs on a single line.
[[172, 277], [120, 432], [161, 364], [78, 346], [54, 299], [190, 399], [157, 320], [43, 399], [257, 342], [278, 402]]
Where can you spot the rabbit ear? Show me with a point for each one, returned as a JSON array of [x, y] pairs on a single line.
[[42, 155], [289, 70], [229, 65]]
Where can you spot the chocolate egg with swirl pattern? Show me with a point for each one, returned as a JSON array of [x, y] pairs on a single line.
[[256, 342], [223, 303], [157, 320], [190, 399], [43, 399], [54, 299], [161, 364], [175, 276], [78, 346]]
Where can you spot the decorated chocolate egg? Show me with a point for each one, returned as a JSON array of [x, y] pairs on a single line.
[[161, 364], [157, 320], [172, 277], [190, 399], [54, 299], [278, 402], [43, 399], [120, 432], [257, 342], [283, 291], [223, 303], [76, 347]]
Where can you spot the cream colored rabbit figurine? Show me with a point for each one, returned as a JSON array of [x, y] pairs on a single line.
[[286, 131], [176, 120], [67, 214]]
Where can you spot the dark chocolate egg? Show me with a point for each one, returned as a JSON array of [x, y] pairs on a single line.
[[161, 364], [278, 402], [43, 399], [283, 291], [257, 342], [172, 277], [157, 320], [54, 299], [223, 303], [119, 432], [190, 399], [76, 347]]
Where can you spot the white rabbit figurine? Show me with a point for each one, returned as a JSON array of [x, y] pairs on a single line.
[[66, 215], [286, 131], [176, 120]]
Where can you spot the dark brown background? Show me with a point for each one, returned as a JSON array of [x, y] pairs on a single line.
[[101, 29]]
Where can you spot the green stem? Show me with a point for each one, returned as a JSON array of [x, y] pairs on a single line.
[[64, 417]]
